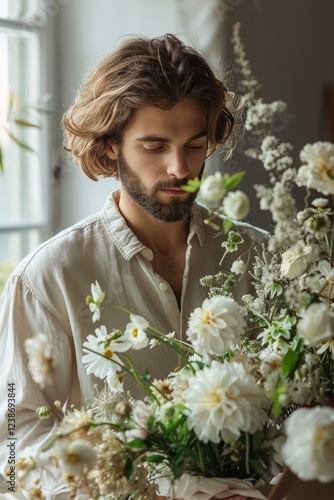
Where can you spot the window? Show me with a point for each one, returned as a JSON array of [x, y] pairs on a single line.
[[25, 172]]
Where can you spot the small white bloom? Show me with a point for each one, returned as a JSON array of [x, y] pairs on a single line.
[[223, 400], [320, 202], [318, 224], [135, 332], [41, 359], [311, 281], [296, 259], [74, 455], [216, 326], [309, 447], [236, 205], [238, 267], [141, 414], [248, 298], [95, 300], [180, 382], [212, 188], [271, 361], [317, 323], [318, 173], [258, 305], [101, 357]]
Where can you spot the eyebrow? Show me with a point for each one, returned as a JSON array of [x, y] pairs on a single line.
[[156, 138]]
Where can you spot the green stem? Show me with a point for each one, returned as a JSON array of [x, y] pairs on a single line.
[[247, 453]]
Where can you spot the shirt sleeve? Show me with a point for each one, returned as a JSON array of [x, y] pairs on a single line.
[[21, 316]]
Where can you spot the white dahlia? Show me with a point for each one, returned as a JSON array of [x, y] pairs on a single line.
[[318, 171], [216, 326], [309, 447], [223, 400]]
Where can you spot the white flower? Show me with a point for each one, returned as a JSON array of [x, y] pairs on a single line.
[[309, 447], [41, 359], [318, 173], [216, 326], [296, 260], [223, 400], [103, 359], [320, 202], [271, 361], [74, 455], [140, 416], [236, 205], [317, 225], [258, 305], [317, 323], [135, 332], [180, 383], [238, 267], [95, 300], [75, 419], [212, 188]]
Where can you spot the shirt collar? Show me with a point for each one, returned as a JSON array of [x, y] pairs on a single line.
[[127, 242]]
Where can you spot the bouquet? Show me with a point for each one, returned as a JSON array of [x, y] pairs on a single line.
[[253, 391]]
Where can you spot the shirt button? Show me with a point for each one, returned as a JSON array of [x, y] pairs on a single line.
[[163, 287], [147, 253]]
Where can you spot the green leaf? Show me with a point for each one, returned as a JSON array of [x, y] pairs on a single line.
[[233, 180], [128, 468], [257, 439], [227, 224], [178, 466], [45, 111], [25, 123], [2, 168], [20, 143], [289, 362], [137, 443], [154, 458], [192, 185]]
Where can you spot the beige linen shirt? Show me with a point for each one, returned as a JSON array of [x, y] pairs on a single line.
[[47, 291]]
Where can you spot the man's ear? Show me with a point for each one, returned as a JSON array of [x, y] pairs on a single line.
[[112, 150]]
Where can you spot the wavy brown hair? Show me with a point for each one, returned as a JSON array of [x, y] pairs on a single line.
[[142, 71]]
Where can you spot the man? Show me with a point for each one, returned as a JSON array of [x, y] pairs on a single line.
[[148, 114]]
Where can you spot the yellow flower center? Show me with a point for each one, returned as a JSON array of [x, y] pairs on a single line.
[[323, 167], [108, 353], [72, 458], [135, 332], [215, 399]]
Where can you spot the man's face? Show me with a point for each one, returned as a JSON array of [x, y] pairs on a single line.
[[160, 151]]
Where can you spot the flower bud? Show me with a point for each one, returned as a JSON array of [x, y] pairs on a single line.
[[43, 412]]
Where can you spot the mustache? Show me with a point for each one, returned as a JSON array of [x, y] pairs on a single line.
[[175, 183]]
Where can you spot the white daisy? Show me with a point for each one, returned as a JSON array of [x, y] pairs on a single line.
[[74, 455], [135, 332], [101, 357]]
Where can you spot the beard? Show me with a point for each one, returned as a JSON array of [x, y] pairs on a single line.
[[171, 211]]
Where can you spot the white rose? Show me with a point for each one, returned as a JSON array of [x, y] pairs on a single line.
[[213, 188], [236, 205], [309, 447], [296, 260], [317, 324]]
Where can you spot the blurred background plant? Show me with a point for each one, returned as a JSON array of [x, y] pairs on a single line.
[[15, 117]]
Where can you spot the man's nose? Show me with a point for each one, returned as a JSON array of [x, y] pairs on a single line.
[[178, 165]]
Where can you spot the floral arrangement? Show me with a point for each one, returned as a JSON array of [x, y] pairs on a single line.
[[254, 389]]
